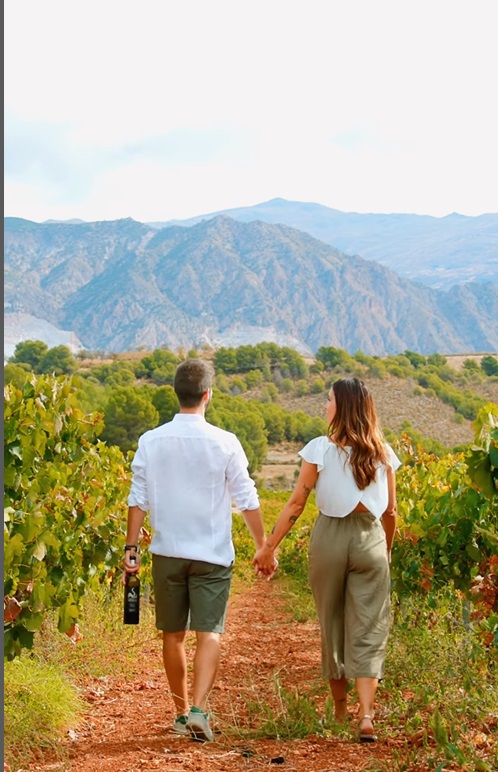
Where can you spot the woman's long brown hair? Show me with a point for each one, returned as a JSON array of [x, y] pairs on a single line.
[[355, 423]]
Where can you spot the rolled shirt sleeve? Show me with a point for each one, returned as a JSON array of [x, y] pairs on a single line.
[[241, 486], [138, 496]]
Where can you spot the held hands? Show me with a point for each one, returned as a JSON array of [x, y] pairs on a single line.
[[265, 562]]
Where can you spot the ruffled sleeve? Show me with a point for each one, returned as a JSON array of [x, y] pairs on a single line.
[[392, 459], [314, 451]]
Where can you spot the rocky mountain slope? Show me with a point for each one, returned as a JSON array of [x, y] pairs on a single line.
[[437, 251], [122, 285]]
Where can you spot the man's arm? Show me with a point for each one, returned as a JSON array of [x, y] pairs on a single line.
[[253, 518]]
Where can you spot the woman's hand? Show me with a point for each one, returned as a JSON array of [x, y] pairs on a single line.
[[265, 562]]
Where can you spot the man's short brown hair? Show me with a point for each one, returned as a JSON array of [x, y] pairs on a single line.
[[192, 378]]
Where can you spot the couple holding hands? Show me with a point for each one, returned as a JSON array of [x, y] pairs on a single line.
[[187, 472]]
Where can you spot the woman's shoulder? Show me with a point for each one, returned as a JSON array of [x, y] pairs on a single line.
[[314, 451], [322, 442], [392, 459]]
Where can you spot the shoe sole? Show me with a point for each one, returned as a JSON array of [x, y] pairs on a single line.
[[199, 735]]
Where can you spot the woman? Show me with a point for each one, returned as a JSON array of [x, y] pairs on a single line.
[[350, 547]]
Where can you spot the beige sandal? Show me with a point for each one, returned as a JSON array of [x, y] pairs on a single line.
[[366, 737]]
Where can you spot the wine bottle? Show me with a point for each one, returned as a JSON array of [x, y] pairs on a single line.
[[131, 615]]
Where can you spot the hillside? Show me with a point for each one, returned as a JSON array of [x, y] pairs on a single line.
[[123, 285], [396, 404], [437, 251]]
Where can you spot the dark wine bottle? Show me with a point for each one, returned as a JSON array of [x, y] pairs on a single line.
[[131, 615]]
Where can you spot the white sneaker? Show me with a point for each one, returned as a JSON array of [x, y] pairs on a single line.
[[180, 725], [198, 726]]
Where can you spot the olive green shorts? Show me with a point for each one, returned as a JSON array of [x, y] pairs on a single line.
[[190, 594]]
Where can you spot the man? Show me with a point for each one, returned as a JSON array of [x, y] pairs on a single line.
[[186, 473]]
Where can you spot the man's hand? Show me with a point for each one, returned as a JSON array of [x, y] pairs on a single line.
[[130, 568], [265, 562]]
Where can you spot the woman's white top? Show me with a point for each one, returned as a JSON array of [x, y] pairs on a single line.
[[337, 493]]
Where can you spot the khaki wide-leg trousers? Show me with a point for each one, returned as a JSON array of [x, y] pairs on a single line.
[[349, 577]]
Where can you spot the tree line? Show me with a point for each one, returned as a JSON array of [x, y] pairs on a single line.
[[134, 394]]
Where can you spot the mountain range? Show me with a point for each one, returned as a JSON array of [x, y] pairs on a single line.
[[437, 251], [124, 285]]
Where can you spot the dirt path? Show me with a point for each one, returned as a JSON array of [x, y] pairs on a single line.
[[127, 727]]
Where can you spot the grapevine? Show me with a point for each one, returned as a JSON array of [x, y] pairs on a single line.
[[64, 509]]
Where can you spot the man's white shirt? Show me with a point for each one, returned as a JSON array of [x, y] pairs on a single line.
[[186, 474]]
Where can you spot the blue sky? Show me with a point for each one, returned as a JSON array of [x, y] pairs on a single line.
[[165, 109]]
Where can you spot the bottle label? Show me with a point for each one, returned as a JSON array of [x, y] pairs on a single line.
[[132, 607]]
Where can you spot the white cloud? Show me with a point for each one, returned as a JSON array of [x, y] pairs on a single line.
[[169, 109]]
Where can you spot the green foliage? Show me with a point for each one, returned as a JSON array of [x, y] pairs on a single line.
[[377, 369], [440, 679], [399, 366], [222, 383], [58, 361], [117, 373], [40, 695], [249, 358], [471, 365], [35, 353], [225, 360], [16, 374], [237, 386], [40, 705], [285, 386], [445, 525], [302, 387], [128, 414], [269, 393], [489, 365], [165, 401], [463, 401], [95, 655], [483, 455], [285, 715], [64, 494], [417, 360], [91, 396], [417, 439], [307, 427], [317, 367], [274, 418], [265, 357], [29, 352], [318, 386], [159, 366], [437, 359], [293, 364], [254, 378], [334, 357]]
